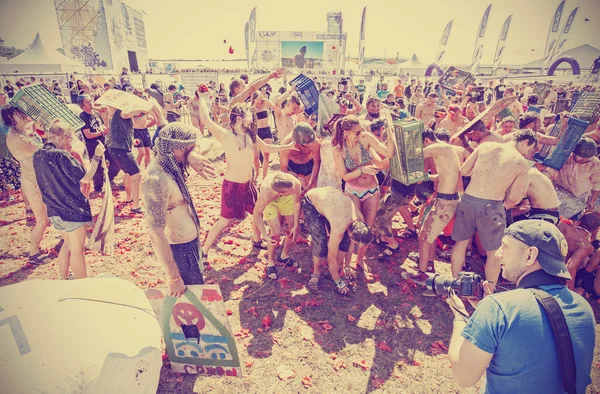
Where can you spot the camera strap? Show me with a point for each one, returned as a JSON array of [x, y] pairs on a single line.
[[562, 338]]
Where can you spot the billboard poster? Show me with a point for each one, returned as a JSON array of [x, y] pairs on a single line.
[[302, 54]]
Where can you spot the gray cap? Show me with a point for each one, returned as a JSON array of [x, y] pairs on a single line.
[[550, 242]]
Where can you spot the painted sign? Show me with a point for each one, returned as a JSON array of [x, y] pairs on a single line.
[[196, 331]]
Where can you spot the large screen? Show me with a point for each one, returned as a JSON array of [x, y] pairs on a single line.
[[302, 54]]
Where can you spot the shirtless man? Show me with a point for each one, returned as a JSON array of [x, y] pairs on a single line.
[[240, 93], [463, 155], [454, 121], [333, 221], [445, 203], [499, 180], [531, 120], [284, 117], [507, 125], [515, 107], [426, 110], [306, 161], [141, 135], [480, 134], [542, 197], [22, 142], [579, 242], [159, 114], [239, 143], [279, 196], [173, 224]]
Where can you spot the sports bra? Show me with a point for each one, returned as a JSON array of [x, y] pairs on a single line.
[[351, 165], [262, 115]]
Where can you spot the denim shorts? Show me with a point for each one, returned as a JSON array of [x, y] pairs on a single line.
[[62, 225]]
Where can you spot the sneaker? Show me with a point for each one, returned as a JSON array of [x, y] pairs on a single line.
[[414, 256], [430, 268], [420, 277]]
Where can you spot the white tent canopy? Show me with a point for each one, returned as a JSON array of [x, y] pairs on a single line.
[[38, 58]]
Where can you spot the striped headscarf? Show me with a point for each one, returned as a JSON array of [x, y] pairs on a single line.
[[176, 135]]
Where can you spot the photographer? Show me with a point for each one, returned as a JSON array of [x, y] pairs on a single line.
[[509, 338]]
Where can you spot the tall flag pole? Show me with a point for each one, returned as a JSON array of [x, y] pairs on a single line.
[[562, 38], [553, 34], [501, 44], [252, 40], [361, 42], [478, 50], [247, 43], [443, 41]]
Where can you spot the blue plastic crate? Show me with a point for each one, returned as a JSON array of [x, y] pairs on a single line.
[[556, 156], [531, 108], [307, 91], [576, 96]]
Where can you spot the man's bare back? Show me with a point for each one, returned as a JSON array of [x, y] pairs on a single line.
[[541, 192], [335, 205], [447, 164], [493, 168], [166, 206], [453, 126]]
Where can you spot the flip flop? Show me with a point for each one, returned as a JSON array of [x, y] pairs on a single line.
[[409, 234], [272, 272], [127, 201], [388, 252], [36, 259], [137, 210], [288, 261]]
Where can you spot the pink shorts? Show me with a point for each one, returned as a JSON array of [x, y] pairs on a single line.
[[237, 199]]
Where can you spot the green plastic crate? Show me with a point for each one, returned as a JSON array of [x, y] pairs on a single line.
[[407, 166], [40, 104]]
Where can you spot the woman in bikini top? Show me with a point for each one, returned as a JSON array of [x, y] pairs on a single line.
[[354, 163]]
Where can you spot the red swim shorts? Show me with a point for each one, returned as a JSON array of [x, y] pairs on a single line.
[[237, 199]]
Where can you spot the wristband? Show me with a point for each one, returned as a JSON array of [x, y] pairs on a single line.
[[97, 158], [361, 171], [175, 280]]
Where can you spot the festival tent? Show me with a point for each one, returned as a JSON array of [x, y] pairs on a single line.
[[413, 66], [39, 58], [584, 54]]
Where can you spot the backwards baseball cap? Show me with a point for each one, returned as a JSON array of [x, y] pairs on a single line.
[[550, 242]]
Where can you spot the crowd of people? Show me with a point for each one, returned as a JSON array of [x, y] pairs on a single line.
[[485, 191]]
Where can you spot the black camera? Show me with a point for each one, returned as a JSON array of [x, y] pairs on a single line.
[[466, 285]]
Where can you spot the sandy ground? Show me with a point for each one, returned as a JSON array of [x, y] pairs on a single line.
[[385, 337]]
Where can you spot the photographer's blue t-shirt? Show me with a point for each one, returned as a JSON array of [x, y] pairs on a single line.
[[514, 327]]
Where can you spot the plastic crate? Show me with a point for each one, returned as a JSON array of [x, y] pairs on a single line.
[[556, 156], [307, 91], [407, 165], [504, 113], [576, 96], [531, 108], [37, 102], [587, 107]]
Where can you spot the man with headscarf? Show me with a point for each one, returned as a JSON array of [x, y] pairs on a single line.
[[173, 223]]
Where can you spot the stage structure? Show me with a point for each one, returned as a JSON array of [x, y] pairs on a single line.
[[106, 35], [301, 51]]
